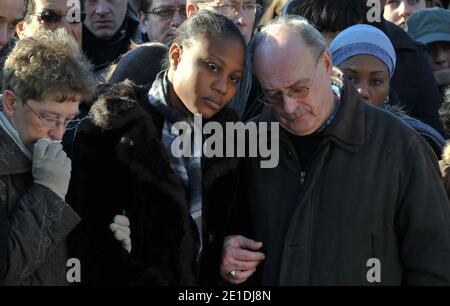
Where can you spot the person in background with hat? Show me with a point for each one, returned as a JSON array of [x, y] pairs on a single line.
[[432, 28], [367, 58]]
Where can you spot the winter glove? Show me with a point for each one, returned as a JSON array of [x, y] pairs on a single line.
[[51, 166], [121, 229]]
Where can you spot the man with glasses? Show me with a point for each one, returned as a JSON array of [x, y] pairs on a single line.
[[243, 13], [40, 102], [159, 19], [356, 198]]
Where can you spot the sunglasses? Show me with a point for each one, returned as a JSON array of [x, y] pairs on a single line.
[[51, 16]]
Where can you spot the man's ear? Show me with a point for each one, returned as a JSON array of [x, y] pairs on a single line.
[[328, 62], [20, 29], [175, 53], [142, 21], [9, 103], [191, 9]]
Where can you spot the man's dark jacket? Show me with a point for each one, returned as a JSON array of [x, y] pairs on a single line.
[[373, 191]]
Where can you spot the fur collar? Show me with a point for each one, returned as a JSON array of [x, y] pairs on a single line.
[[125, 111]]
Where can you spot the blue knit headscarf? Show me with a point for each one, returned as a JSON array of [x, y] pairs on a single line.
[[363, 39]]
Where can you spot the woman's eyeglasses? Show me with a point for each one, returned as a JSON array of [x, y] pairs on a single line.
[[52, 123]]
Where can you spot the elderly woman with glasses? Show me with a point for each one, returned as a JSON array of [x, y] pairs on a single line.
[[45, 77]]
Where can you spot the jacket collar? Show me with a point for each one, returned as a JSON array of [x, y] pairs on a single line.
[[12, 160], [348, 128]]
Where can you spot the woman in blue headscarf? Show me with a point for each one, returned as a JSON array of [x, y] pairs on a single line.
[[367, 58]]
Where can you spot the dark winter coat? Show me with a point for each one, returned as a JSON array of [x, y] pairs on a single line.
[[34, 223], [120, 165], [373, 191]]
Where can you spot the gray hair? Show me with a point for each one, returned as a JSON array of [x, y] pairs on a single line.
[[297, 25]]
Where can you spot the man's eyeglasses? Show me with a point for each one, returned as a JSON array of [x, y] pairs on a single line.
[[52, 123], [295, 92], [53, 17], [232, 9], [168, 12]]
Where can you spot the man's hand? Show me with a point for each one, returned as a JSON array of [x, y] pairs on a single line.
[[239, 258], [121, 229]]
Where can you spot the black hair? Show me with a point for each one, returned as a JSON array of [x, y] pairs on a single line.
[[140, 65], [330, 15], [206, 24]]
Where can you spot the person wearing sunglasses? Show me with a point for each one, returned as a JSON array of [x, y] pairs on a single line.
[[51, 15], [159, 19], [40, 102]]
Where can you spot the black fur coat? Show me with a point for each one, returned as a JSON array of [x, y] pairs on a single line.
[[120, 165]]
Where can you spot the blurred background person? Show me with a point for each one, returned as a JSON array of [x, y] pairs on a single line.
[[11, 13], [432, 28], [412, 85], [51, 15], [107, 32], [159, 19], [399, 11]]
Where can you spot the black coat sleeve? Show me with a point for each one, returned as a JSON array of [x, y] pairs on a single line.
[[423, 219]]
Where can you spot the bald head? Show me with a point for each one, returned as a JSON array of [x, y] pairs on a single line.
[[284, 40], [293, 66], [278, 45]]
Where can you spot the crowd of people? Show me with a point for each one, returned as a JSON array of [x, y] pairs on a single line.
[[96, 95]]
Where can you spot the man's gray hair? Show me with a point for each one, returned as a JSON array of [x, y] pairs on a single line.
[[297, 25]]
